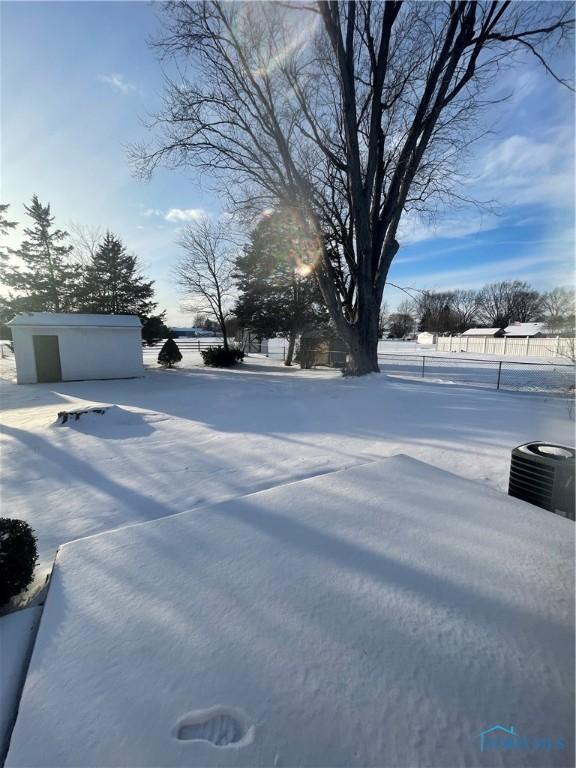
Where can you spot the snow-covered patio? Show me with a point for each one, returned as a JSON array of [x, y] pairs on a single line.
[[384, 615]]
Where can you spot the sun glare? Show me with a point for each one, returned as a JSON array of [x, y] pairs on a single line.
[[303, 270]]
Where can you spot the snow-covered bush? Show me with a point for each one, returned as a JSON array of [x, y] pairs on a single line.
[[18, 556], [219, 357]]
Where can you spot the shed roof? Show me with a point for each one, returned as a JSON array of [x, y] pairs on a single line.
[[481, 332], [74, 319]]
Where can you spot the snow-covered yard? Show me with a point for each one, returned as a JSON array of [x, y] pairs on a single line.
[[194, 435], [394, 612]]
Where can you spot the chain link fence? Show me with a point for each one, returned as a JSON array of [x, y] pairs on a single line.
[[493, 374]]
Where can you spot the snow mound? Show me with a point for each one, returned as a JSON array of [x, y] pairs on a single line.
[[387, 614], [108, 420]]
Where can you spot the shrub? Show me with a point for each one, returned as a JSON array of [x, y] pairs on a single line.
[[18, 557], [169, 354], [218, 357]]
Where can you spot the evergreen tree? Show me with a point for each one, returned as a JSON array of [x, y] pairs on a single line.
[[5, 311], [46, 280], [112, 283], [5, 226], [154, 329], [169, 354], [279, 295]]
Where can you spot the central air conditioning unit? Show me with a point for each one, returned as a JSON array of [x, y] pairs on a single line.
[[543, 474]]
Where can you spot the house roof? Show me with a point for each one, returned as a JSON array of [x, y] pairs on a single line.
[[525, 329], [63, 319], [481, 332]]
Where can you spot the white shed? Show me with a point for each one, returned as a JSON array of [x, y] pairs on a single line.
[[49, 346], [426, 338]]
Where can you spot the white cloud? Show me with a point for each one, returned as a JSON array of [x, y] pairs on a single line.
[[414, 230], [522, 171], [117, 82], [512, 173], [175, 215], [184, 214]]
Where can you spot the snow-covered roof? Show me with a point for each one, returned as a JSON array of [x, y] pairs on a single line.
[[525, 329], [263, 630], [481, 332], [66, 319]]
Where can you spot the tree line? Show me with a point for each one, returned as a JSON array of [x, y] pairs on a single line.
[[49, 273], [268, 287], [495, 305]]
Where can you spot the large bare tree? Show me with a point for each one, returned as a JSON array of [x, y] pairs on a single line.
[[354, 113], [204, 271]]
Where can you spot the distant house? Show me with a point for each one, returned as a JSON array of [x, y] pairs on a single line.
[[532, 330], [426, 338], [494, 333], [52, 346], [192, 333]]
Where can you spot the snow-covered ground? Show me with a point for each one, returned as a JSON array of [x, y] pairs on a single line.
[[194, 435], [384, 615], [17, 632], [177, 440]]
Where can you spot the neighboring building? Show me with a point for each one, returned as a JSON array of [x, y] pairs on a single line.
[[192, 333], [532, 330], [248, 342], [73, 347], [494, 333], [426, 338]]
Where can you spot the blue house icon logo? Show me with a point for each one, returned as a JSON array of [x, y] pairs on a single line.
[[495, 732]]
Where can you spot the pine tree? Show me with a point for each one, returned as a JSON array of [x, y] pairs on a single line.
[[5, 226], [279, 294], [47, 280], [169, 354], [154, 329], [112, 283], [5, 311]]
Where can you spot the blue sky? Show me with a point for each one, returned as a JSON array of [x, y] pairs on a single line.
[[78, 78]]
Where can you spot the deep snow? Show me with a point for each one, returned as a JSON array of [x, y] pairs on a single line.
[[193, 435], [380, 616]]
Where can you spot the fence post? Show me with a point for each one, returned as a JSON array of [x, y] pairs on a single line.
[[527, 346], [505, 340], [423, 364], [198, 345], [499, 374]]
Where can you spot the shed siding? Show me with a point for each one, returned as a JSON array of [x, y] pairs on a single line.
[[85, 353]]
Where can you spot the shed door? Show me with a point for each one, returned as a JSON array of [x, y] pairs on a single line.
[[47, 354]]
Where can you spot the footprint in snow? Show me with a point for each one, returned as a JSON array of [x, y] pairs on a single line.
[[220, 726]]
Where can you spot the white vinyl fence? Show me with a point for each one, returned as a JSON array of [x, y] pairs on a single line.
[[509, 345]]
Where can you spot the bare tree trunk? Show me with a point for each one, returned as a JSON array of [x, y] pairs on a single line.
[[224, 335], [291, 345], [362, 345]]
